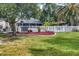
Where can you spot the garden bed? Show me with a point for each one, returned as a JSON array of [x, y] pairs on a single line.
[[37, 33]]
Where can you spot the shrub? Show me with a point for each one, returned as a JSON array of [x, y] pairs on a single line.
[[38, 29], [75, 30]]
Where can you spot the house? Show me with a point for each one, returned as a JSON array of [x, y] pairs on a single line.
[[4, 26], [22, 25]]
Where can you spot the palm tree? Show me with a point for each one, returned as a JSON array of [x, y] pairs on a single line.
[[70, 13], [48, 12]]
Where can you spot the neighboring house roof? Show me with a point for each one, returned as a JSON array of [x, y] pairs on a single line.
[[32, 20]]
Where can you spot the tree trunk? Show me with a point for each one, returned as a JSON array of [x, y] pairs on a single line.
[[13, 29]]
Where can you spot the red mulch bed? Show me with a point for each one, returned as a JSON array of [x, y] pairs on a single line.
[[37, 33]]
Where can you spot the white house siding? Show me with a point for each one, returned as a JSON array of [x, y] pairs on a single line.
[[47, 28], [4, 25], [34, 28], [53, 28]]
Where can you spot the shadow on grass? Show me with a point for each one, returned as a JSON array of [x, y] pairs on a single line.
[[69, 42], [4, 38], [14, 38], [51, 52], [2, 35]]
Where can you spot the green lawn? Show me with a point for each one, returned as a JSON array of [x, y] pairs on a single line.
[[65, 43]]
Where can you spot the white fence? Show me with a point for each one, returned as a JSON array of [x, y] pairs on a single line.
[[63, 28], [53, 28]]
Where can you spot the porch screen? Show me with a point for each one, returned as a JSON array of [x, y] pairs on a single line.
[[24, 28]]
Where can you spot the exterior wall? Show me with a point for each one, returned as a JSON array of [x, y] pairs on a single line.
[[53, 28], [43, 29], [4, 25], [18, 28]]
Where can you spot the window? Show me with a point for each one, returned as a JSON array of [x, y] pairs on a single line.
[[39, 24], [19, 24], [32, 24], [25, 24], [24, 28]]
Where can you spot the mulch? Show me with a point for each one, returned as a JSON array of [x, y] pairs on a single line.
[[37, 33]]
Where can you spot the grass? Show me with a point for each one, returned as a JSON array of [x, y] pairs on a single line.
[[63, 44]]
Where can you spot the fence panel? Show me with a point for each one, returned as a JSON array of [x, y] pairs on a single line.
[[62, 28]]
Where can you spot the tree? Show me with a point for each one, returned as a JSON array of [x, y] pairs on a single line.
[[29, 10], [70, 13], [48, 12], [9, 11], [12, 11]]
